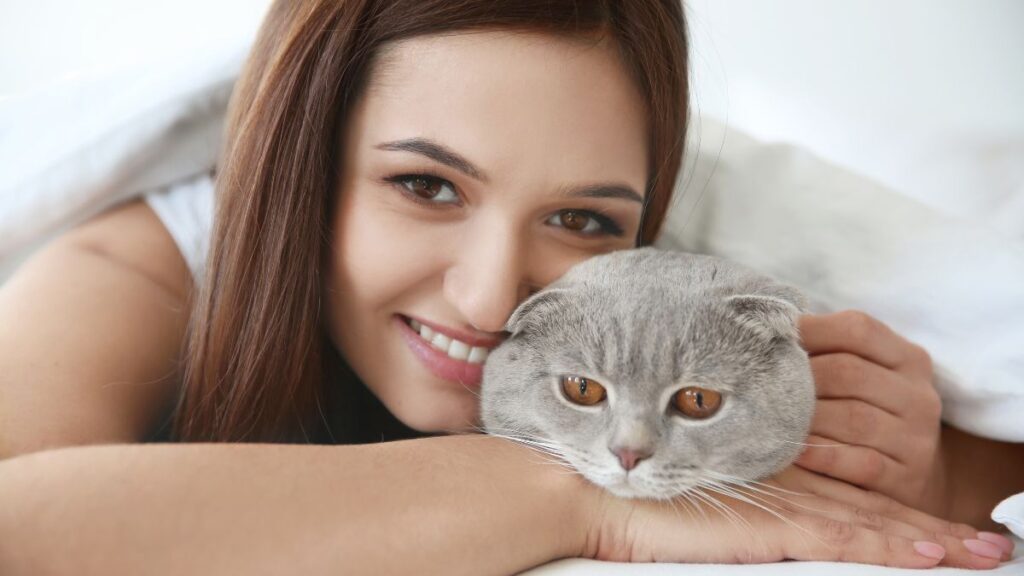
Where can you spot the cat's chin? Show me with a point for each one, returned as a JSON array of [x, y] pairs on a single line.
[[624, 489]]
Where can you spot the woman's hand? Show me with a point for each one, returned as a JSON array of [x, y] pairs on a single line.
[[877, 422], [797, 515]]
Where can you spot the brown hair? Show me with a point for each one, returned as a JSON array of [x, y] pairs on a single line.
[[256, 357]]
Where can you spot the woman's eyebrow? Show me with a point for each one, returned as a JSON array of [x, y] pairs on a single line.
[[437, 152], [444, 155]]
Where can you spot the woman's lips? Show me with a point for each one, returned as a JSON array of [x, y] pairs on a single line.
[[439, 363]]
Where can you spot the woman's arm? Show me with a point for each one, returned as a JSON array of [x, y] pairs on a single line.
[[457, 505], [453, 505], [980, 472]]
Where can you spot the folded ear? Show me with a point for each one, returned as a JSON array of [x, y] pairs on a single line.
[[531, 313], [769, 316]]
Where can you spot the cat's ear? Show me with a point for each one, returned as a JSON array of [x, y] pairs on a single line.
[[769, 316], [531, 312]]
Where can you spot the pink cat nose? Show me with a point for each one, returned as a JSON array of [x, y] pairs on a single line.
[[629, 458]]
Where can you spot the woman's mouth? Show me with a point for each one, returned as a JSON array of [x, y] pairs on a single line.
[[447, 358]]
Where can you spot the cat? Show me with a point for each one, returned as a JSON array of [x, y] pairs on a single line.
[[655, 372]]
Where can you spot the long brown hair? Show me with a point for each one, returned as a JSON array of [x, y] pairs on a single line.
[[256, 357]]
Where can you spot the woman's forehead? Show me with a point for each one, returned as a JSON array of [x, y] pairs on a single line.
[[509, 101]]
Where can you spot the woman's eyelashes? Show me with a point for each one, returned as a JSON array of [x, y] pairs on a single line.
[[432, 190], [425, 188]]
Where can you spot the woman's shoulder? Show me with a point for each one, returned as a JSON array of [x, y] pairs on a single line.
[[92, 327], [133, 235]]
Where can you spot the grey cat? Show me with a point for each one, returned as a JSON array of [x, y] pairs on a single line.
[[654, 372]]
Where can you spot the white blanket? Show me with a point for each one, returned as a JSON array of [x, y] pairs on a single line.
[[954, 286]]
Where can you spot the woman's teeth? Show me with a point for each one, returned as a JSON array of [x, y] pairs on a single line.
[[453, 348]]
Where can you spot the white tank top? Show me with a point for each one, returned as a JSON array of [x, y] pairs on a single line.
[[186, 210]]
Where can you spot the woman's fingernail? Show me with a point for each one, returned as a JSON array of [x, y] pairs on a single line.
[[983, 548], [998, 539], [929, 549]]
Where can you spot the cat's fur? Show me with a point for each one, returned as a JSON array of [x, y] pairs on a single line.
[[645, 323]]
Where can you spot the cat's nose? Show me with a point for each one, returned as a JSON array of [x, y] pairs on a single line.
[[630, 458]]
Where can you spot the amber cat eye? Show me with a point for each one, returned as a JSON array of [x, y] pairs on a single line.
[[583, 391], [697, 402]]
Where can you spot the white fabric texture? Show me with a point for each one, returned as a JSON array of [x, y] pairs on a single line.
[[955, 287], [186, 210], [76, 149], [1010, 513]]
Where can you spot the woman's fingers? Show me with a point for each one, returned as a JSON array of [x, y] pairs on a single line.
[[859, 465], [843, 375], [963, 544], [810, 483], [877, 399], [960, 552], [828, 539], [859, 333], [861, 424]]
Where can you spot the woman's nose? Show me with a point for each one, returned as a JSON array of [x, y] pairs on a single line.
[[487, 279]]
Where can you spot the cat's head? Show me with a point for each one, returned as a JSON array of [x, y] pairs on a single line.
[[683, 369]]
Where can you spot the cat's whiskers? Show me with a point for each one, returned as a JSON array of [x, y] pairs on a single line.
[[731, 515], [762, 495], [835, 445], [689, 498], [753, 495], [739, 480], [704, 487], [673, 502], [750, 528], [541, 445], [727, 491], [754, 485], [701, 501], [737, 483], [471, 390], [730, 491]]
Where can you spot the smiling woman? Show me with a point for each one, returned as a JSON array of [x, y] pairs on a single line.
[[451, 209], [436, 177]]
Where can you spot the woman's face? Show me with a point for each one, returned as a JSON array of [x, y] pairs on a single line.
[[477, 168]]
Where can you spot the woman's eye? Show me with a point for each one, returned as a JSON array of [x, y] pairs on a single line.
[[585, 222], [697, 403], [426, 188], [582, 391], [429, 189]]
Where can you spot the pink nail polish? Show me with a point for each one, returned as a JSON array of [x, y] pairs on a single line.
[[929, 549], [983, 548], [1003, 542]]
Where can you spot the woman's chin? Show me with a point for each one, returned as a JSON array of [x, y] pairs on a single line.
[[443, 423]]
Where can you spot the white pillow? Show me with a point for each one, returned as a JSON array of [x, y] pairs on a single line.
[[953, 286]]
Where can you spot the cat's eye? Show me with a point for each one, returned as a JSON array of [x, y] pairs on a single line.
[[583, 391], [697, 402]]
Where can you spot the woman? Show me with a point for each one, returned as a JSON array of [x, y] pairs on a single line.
[[385, 162]]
